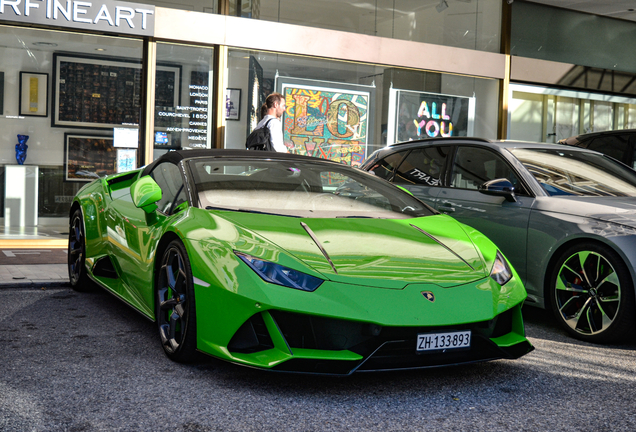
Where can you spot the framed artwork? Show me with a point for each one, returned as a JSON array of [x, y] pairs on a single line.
[[255, 96], [88, 157], [327, 120], [126, 160], [34, 93], [1, 93], [415, 115], [232, 104], [102, 92]]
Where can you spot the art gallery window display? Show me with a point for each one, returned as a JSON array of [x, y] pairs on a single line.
[[183, 107], [343, 111], [77, 98]]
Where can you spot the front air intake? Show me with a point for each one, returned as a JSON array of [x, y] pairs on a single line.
[[251, 337]]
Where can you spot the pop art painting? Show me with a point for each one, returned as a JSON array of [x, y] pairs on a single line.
[[326, 122]]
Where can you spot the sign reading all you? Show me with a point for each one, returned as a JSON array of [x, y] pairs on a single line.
[[416, 115], [106, 15]]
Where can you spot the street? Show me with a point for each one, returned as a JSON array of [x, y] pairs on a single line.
[[86, 362]]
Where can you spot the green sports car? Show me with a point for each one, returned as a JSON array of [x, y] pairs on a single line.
[[293, 263]]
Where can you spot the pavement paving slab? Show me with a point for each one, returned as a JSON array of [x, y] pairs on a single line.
[[29, 276]]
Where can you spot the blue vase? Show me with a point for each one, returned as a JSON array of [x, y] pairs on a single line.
[[21, 149]]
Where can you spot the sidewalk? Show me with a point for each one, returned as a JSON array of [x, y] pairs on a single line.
[[33, 275]]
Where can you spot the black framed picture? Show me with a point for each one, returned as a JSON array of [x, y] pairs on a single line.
[[34, 94], [1, 93], [101, 92], [88, 157], [255, 95], [232, 104]]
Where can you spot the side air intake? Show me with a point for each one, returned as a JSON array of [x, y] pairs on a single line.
[[104, 268]]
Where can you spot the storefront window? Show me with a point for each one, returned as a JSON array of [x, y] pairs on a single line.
[[78, 99], [543, 114], [549, 33], [207, 6], [344, 111], [463, 24], [183, 100]]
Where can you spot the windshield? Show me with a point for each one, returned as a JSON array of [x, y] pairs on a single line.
[[299, 188], [572, 172]]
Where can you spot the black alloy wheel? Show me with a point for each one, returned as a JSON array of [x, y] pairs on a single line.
[[77, 274], [175, 310], [592, 295]]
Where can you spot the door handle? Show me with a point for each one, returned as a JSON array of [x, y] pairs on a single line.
[[446, 208]]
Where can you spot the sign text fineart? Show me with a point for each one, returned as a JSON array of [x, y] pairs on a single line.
[[104, 15]]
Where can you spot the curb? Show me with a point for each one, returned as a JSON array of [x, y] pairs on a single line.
[[27, 283]]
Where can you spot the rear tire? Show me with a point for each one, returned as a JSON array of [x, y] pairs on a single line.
[[175, 304], [77, 273], [592, 294]]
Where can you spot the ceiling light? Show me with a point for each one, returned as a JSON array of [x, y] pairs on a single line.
[[441, 6], [100, 49], [47, 44]]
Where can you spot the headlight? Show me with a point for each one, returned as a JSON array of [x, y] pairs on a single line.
[[279, 275], [501, 272]]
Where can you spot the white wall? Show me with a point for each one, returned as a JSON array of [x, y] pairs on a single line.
[[45, 143], [236, 131]]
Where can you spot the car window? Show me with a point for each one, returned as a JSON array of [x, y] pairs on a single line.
[[384, 167], [309, 189], [616, 146], [423, 166], [168, 177], [569, 172], [473, 166]]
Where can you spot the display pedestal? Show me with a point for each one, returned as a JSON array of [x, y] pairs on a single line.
[[20, 196]]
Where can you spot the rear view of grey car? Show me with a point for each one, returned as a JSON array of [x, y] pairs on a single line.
[[565, 217]]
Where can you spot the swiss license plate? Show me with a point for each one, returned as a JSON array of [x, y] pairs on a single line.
[[443, 341]]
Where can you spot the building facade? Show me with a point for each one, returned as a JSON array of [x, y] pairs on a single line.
[[105, 87]]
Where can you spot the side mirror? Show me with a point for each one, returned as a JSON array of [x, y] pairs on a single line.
[[145, 192], [499, 187]]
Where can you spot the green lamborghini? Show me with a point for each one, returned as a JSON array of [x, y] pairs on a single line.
[[297, 264]]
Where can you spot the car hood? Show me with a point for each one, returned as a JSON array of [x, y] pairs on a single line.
[[620, 210], [388, 253]]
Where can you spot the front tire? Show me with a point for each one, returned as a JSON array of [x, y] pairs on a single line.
[[77, 273], [175, 308], [592, 295]]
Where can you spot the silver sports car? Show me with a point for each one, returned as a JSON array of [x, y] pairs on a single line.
[[565, 218]]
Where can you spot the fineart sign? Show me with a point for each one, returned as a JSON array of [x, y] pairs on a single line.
[[326, 122], [417, 115], [105, 15]]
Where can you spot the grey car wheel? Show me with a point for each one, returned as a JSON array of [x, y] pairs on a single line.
[[175, 311], [77, 274], [592, 295]]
